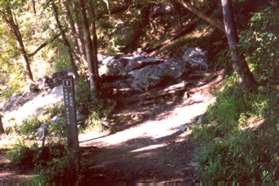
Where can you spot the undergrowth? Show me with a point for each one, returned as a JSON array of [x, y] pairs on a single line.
[[239, 137]]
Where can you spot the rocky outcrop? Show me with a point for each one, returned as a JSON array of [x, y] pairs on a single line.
[[140, 73]]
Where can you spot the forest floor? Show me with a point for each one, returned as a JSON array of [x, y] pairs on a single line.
[[150, 143], [157, 146], [11, 174]]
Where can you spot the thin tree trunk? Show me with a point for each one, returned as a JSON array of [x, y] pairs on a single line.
[[94, 44], [2, 131], [73, 28], [79, 28], [88, 49], [246, 78], [214, 22], [67, 43], [25, 57], [8, 17], [34, 6]]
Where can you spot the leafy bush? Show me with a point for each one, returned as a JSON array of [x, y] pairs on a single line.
[[57, 129], [98, 111], [21, 154], [55, 169], [52, 163], [260, 42], [55, 110], [15, 81], [230, 151], [29, 126]]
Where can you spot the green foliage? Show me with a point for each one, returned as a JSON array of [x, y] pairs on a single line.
[[29, 126], [15, 80], [221, 60], [260, 43], [55, 110], [62, 59], [94, 121], [82, 91], [38, 180], [54, 169], [52, 163], [55, 128], [98, 112], [21, 154], [238, 137]]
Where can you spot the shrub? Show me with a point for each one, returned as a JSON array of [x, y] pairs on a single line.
[[260, 42], [54, 171], [227, 152], [51, 163], [98, 111], [21, 154], [29, 126]]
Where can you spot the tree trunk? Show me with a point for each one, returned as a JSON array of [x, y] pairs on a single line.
[[74, 32], [34, 6], [246, 78], [78, 23], [66, 42], [2, 131], [206, 18], [25, 57], [94, 44], [10, 21], [89, 50]]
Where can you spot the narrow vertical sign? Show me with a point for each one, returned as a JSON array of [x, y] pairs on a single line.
[[71, 126]]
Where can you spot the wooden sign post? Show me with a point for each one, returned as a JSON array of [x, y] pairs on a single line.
[[71, 127]]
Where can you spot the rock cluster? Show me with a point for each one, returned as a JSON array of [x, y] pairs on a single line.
[[140, 73]]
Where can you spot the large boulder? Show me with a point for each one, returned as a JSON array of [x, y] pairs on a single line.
[[154, 75], [120, 67], [140, 73]]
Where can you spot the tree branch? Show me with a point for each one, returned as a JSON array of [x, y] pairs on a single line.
[[43, 45], [214, 22]]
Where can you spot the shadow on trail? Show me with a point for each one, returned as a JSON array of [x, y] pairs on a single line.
[[157, 148], [141, 160], [140, 108]]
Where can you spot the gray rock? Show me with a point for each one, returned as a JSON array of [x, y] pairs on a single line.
[[154, 75], [141, 73], [196, 58], [113, 66], [45, 83], [56, 119], [121, 66], [18, 100], [80, 117], [42, 131]]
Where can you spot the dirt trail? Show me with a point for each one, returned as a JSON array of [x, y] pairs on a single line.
[[155, 146], [11, 175], [157, 149]]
